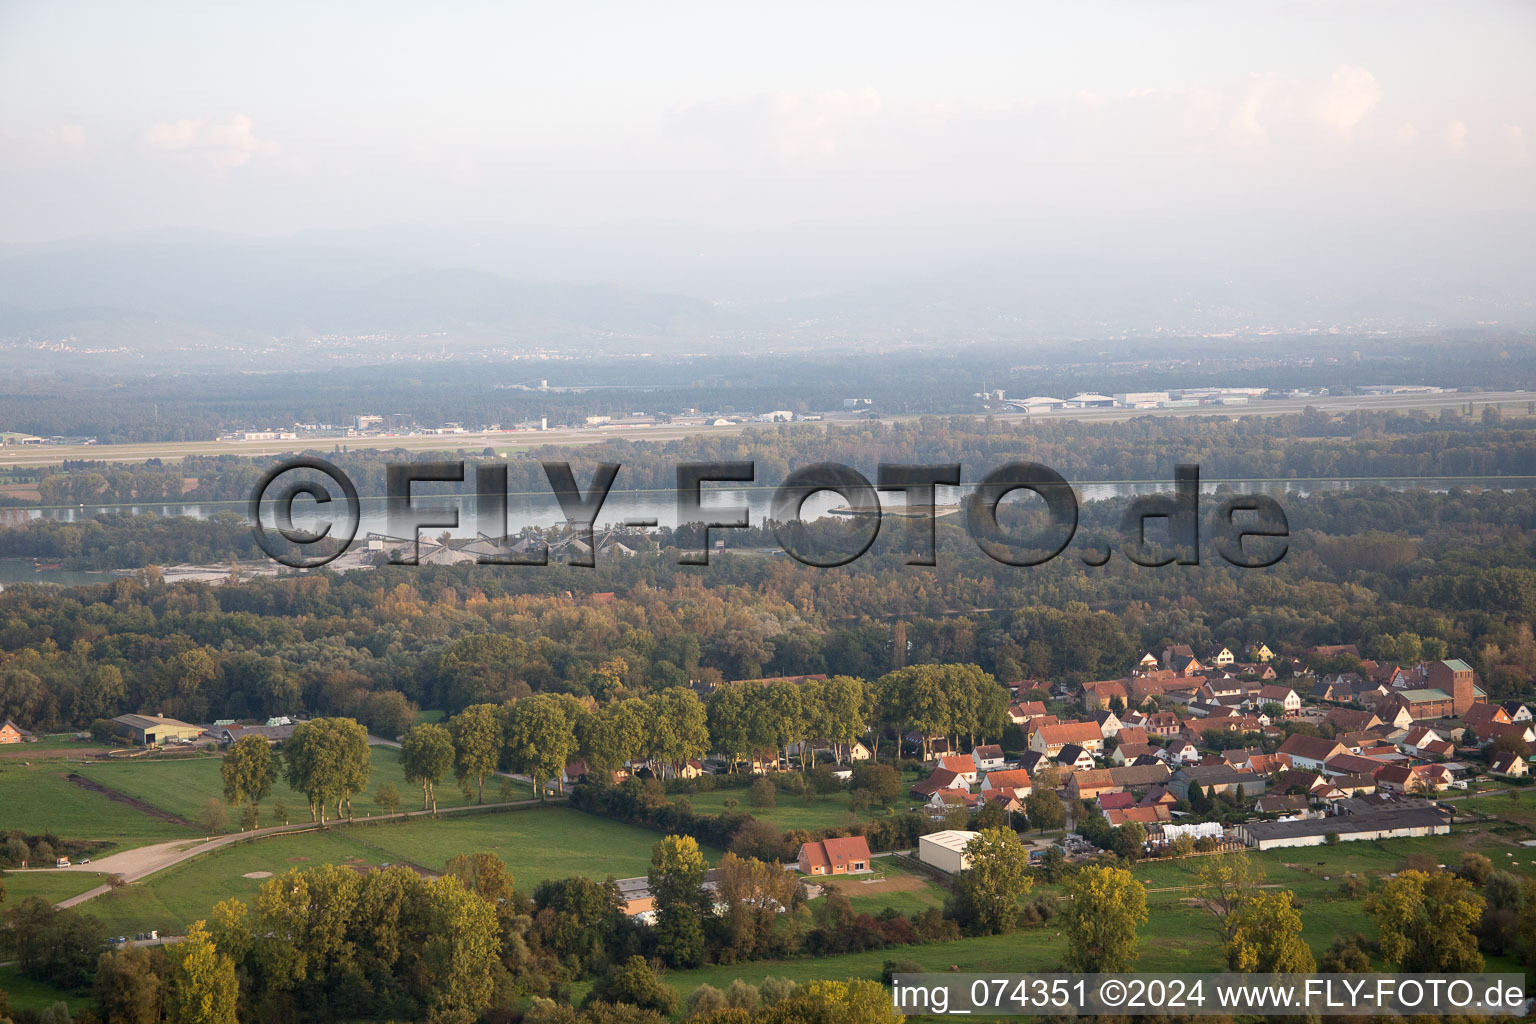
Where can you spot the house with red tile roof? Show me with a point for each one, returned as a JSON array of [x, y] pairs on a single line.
[[845, 856]]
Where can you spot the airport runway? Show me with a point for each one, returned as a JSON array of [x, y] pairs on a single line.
[[53, 455]]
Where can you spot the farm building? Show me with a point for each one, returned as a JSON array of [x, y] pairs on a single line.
[[946, 850], [1398, 823], [149, 730]]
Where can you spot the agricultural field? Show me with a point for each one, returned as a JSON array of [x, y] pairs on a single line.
[[182, 787], [537, 844], [54, 745], [40, 798]]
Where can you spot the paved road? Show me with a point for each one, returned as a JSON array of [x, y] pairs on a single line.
[[52, 455]]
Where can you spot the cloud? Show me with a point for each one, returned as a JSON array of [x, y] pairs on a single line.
[[800, 127], [1456, 137], [1348, 97], [63, 136], [1406, 132], [228, 143]]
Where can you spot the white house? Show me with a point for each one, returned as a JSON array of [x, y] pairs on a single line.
[[988, 757]]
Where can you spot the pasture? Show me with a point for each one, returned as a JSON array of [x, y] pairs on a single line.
[[182, 787]]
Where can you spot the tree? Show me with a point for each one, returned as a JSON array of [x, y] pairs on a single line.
[[211, 816], [1226, 884], [540, 738], [677, 882], [986, 895], [327, 759], [859, 1001], [762, 792], [1266, 936], [426, 755], [387, 797], [1043, 807], [477, 741], [635, 983], [1129, 840], [462, 949], [131, 983], [60, 947], [879, 783], [204, 989], [752, 893], [1105, 906], [250, 769], [1426, 921]]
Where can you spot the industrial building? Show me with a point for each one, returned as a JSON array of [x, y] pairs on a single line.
[[946, 850]]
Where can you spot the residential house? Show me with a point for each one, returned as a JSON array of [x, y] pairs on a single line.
[[845, 856], [987, 757], [1179, 751], [1480, 716], [1260, 652], [1286, 697], [1310, 752], [1516, 711], [1152, 815], [1350, 720], [941, 779], [1116, 801], [1012, 781], [1127, 753], [1102, 694], [1051, 738], [1353, 764], [1075, 757], [1287, 805], [1216, 780], [1087, 785], [1512, 765], [1109, 723], [962, 766], [1020, 712], [10, 732]]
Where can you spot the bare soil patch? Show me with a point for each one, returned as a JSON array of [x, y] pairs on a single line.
[[854, 885], [257, 874]]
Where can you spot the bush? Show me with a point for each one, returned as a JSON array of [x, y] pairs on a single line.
[[774, 990], [762, 792], [703, 1000], [894, 967], [742, 996]]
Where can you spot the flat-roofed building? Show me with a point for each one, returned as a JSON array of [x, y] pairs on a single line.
[[946, 850]]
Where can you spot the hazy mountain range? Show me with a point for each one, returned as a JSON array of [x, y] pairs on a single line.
[[667, 285]]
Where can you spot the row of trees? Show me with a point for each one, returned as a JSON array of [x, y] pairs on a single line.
[[326, 759]]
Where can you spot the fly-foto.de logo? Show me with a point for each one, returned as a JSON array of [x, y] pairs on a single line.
[[1248, 531]]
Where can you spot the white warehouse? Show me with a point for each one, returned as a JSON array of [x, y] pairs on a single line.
[[946, 850]]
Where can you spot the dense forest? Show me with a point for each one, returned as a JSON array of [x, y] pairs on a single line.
[[1368, 566]]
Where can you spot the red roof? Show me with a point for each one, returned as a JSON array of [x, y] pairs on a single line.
[[836, 853]]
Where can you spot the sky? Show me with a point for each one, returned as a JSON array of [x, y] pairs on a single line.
[[275, 118]]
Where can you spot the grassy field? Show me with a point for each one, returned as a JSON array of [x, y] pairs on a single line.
[[50, 744], [537, 844], [26, 994], [172, 899], [183, 786], [52, 886], [39, 799], [790, 812]]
